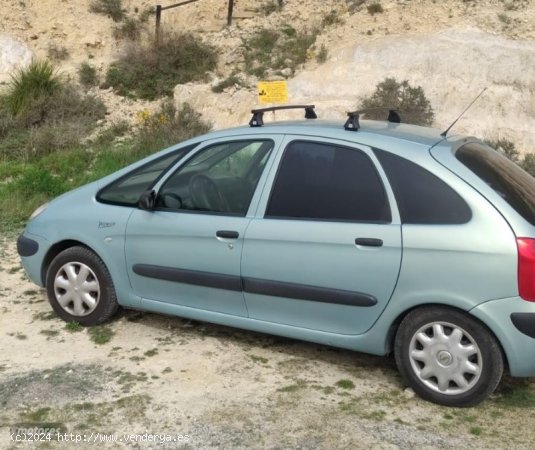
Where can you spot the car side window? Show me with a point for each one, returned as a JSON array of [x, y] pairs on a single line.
[[220, 179], [321, 181], [422, 197], [126, 190]]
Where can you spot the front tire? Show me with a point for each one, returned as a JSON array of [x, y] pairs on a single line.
[[80, 288], [447, 357]]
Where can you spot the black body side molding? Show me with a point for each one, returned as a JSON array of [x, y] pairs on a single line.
[[207, 279], [525, 323], [256, 286], [306, 292], [26, 246]]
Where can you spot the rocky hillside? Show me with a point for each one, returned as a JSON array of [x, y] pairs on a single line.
[[453, 49]]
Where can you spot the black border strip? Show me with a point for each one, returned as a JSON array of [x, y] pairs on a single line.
[[195, 277], [525, 323], [306, 292], [26, 246], [256, 285]]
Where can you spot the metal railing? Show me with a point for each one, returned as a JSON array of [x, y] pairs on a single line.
[[160, 9]]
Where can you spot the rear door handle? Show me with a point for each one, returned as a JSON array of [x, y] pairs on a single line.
[[369, 242], [226, 234]]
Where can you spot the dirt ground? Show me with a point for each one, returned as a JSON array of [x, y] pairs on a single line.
[[218, 387]]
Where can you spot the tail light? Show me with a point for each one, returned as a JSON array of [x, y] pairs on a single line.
[[526, 268]]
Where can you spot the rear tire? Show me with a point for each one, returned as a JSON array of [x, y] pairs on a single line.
[[447, 357], [80, 288]]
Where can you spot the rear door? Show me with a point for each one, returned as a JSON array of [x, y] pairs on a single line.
[[324, 250]]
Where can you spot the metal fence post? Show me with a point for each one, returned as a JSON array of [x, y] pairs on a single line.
[[230, 8], [158, 24]]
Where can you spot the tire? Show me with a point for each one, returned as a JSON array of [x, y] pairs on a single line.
[[447, 357], [80, 288]]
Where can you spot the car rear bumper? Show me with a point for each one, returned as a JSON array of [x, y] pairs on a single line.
[[512, 320], [32, 250]]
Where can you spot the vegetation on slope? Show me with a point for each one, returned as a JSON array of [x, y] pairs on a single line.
[[45, 149]]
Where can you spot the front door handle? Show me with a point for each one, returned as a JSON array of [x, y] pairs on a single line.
[[369, 242], [226, 234]]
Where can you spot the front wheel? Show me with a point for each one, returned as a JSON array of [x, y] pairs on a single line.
[[447, 357], [80, 288]]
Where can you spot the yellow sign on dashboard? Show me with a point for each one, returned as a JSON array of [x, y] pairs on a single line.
[[272, 92]]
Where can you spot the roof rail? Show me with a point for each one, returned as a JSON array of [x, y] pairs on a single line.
[[352, 122], [258, 114]]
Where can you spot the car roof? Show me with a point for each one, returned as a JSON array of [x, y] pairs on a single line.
[[335, 129]]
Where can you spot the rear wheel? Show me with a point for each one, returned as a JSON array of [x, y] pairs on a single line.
[[447, 357], [80, 288]]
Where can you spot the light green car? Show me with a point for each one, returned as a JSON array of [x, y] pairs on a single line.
[[377, 236]]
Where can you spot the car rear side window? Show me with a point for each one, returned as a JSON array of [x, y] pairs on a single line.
[[328, 182], [508, 180], [422, 197], [126, 190]]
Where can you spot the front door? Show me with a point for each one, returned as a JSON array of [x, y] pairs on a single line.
[[188, 250]]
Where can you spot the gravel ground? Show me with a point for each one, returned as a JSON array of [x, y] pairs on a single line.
[[218, 387]]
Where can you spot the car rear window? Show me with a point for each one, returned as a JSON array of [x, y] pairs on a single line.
[[508, 180]]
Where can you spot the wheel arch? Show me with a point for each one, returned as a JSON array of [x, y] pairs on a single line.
[[55, 250], [394, 327]]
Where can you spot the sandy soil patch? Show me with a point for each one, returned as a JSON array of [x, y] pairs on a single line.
[[221, 387]]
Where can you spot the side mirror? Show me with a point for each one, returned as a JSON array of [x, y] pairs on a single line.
[[147, 201]]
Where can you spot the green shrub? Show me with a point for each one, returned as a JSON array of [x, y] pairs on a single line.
[[374, 8], [57, 53], [354, 5], [68, 105], [54, 118], [411, 102], [100, 334], [528, 163], [504, 18], [168, 126], [37, 179], [150, 71], [507, 147], [30, 176], [322, 55], [226, 83], [48, 138], [87, 75], [271, 7], [276, 49], [7, 122], [130, 29], [331, 18], [112, 8], [112, 132], [33, 84]]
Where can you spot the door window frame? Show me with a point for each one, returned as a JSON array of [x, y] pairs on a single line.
[[276, 139], [277, 158]]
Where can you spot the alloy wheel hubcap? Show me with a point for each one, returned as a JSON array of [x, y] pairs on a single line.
[[445, 358], [77, 289]]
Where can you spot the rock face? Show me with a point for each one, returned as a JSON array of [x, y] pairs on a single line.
[[453, 49], [13, 55], [452, 66]]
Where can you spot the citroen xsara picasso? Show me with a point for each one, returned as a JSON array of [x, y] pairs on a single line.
[[376, 237]]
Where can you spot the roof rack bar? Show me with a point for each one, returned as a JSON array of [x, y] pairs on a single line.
[[353, 124], [258, 114]]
